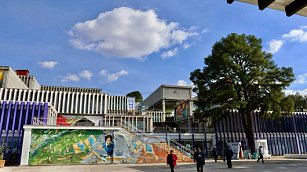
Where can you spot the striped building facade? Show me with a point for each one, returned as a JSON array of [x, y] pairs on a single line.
[[13, 115], [287, 135]]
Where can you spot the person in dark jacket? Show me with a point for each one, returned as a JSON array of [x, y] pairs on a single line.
[[171, 160], [215, 153], [228, 154], [199, 158], [260, 152]]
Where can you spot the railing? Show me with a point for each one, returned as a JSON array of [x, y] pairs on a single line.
[[39, 121], [182, 130], [183, 149]]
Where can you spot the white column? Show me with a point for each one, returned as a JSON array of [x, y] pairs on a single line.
[[97, 102], [19, 95], [51, 97], [5, 93], [106, 104], [33, 95], [47, 95], [68, 104], [42, 92], [26, 147], [64, 102], [10, 94], [25, 92], [1, 92], [81, 103], [77, 102], [144, 124], [14, 94], [147, 122], [113, 121], [85, 103], [109, 120], [151, 124], [90, 103], [72, 105], [59, 102]]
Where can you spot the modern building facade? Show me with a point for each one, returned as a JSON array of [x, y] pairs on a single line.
[[25, 102], [165, 98]]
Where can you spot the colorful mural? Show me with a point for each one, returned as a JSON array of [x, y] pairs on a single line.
[[63, 146], [182, 111]]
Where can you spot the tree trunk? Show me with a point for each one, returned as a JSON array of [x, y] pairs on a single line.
[[248, 128]]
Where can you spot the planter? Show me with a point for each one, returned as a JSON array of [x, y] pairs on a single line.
[[2, 162]]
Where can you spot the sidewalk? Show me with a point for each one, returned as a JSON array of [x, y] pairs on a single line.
[[157, 167]]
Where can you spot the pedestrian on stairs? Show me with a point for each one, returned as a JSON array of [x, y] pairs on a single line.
[[171, 160]]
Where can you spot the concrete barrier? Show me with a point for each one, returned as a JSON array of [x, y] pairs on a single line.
[[296, 156]]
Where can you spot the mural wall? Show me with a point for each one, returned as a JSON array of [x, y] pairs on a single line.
[[76, 146]]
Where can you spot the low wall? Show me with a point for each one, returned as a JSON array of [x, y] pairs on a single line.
[[296, 156], [47, 145]]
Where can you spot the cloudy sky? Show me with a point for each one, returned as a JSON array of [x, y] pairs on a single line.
[[126, 45]]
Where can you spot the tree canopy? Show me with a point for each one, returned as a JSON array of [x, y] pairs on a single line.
[[137, 95], [239, 75]]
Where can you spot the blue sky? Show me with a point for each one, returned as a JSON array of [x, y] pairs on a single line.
[[126, 45]]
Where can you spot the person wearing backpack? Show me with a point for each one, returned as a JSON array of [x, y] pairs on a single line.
[[199, 158], [260, 152], [171, 160], [228, 154]]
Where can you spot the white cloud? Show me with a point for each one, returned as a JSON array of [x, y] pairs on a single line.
[[48, 64], [297, 35], [113, 76], [293, 92], [301, 79], [70, 77], [205, 30], [86, 74], [186, 46], [275, 45], [169, 53], [127, 33], [181, 83]]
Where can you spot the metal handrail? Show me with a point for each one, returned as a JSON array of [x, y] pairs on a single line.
[[172, 143]]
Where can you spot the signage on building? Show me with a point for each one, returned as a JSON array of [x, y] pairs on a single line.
[[182, 111], [131, 103]]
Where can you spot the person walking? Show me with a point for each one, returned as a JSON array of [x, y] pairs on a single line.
[[228, 154], [215, 154], [199, 158], [260, 152], [171, 160]]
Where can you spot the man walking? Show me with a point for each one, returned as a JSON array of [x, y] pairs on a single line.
[[228, 154], [215, 153], [171, 160], [199, 157], [260, 152]]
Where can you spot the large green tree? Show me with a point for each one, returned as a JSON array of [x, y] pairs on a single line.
[[137, 95], [239, 75]]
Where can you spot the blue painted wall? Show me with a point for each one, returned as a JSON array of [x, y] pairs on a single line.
[[13, 115]]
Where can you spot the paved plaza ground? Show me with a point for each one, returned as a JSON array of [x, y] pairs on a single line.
[[282, 165]]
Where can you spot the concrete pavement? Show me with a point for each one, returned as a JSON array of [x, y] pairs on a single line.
[[274, 165]]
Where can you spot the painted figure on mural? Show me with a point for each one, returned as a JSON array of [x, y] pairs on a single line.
[[172, 160], [108, 145]]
